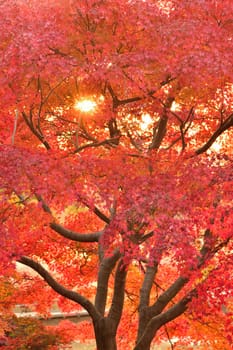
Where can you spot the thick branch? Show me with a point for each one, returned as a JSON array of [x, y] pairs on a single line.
[[145, 298], [146, 313], [159, 133], [115, 101], [147, 285], [161, 129], [158, 321], [115, 311], [105, 269], [43, 203], [223, 127], [206, 253], [167, 296], [101, 215], [151, 318], [57, 287], [114, 132], [75, 236]]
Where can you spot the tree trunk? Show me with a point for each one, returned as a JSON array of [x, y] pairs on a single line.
[[105, 335]]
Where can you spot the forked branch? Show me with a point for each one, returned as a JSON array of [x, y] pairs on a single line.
[[167, 296], [158, 321]]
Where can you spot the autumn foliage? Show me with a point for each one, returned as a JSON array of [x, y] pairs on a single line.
[[116, 169]]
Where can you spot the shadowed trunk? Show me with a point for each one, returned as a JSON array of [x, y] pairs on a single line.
[[106, 327], [105, 335], [158, 321]]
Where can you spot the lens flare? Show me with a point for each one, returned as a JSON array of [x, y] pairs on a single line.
[[86, 106]]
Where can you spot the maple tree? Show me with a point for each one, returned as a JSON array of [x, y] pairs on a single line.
[[116, 161]]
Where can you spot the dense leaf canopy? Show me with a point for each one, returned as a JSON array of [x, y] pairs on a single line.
[[116, 162]]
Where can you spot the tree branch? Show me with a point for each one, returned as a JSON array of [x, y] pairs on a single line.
[[57, 287], [223, 127], [117, 102], [160, 130], [168, 337], [158, 321], [153, 317], [115, 311], [40, 136], [209, 248], [110, 142], [75, 236], [147, 285], [167, 296], [15, 126], [43, 203], [145, 298], [101, 215], [106, 266]]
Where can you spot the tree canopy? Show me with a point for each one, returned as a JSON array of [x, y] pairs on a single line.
[[116, 163]]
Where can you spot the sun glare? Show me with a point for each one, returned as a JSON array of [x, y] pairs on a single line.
[[85, 106], [146, 121]]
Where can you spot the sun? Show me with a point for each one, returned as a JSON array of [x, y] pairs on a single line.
[[85, 105], [146, 121]]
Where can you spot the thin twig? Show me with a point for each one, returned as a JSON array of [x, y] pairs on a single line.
[[168, 337], [15, 126]]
